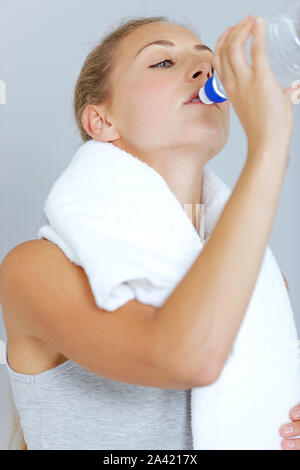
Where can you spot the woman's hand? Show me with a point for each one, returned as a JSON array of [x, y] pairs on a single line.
[[263, 108], [294, 427]]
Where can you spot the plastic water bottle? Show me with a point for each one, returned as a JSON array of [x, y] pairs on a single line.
[[282, 33]]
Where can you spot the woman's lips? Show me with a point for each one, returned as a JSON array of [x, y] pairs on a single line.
[[203, 104], [195, 95]]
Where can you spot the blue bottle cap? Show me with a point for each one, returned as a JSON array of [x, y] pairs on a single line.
[[209, 94]]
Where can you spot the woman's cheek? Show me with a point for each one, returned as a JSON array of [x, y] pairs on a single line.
[[147, 106], [152, 94], [147, 112]]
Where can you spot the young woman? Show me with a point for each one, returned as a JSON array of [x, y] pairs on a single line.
[[79, 375]]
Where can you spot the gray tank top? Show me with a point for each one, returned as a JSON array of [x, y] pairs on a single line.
[[69, 407]]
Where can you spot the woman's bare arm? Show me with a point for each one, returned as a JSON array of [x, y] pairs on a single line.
[[49, 297], [203, 314]]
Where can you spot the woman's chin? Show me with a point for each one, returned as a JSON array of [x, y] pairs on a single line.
[[205, 136]]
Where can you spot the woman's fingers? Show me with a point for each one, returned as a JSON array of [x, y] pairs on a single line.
[[290, 429], [217, 62], [295, 413], [290, 444], [223, 38], [236, 43], [235, 54], [293, 93], [290, 94], [230, 51]]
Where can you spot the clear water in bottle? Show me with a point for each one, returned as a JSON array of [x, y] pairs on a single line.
[[282, 33]]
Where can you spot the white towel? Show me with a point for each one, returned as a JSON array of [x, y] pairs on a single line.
[[117, 218]]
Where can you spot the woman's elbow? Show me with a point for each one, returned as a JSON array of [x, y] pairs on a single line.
[[208, 371]]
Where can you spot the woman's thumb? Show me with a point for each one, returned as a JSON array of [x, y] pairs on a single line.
[[293, 93]]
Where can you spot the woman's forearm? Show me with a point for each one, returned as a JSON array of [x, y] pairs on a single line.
[[201, 318]]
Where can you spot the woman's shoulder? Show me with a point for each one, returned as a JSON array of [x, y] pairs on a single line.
[[27, 354], [31, 274], [29, 253], [25, 250]]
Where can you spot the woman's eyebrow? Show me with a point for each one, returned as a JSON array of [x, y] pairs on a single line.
[[165, 42]]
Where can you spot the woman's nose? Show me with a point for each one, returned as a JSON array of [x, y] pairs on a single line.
[[204, 70]]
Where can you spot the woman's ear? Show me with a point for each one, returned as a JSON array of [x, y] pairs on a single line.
[[97, 125]]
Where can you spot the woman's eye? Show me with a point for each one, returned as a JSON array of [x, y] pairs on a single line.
[[162, 62], [171, 62]]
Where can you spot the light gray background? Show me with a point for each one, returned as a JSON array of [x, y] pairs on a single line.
[[43, 46]]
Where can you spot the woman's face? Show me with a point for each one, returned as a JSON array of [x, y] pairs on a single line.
[[148, 100]]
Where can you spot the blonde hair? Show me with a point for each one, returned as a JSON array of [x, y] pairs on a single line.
[[94, 86]]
